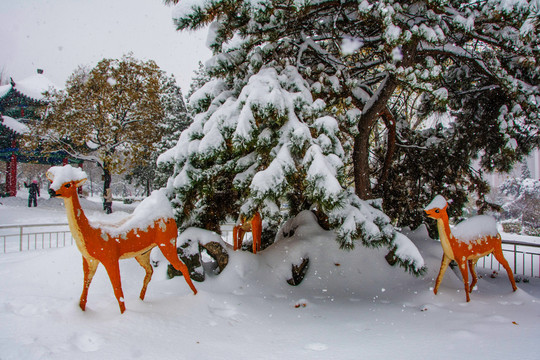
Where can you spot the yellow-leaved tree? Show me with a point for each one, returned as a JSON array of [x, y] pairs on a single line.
[[107, 115]]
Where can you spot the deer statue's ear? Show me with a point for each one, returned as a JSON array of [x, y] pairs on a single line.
[[80, 182]]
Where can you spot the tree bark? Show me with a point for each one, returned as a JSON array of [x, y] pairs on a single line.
[[369, 117], [390, 123], [107, 206], [370, 113]]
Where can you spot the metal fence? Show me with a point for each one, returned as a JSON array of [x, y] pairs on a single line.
[[523, 258], [15, 238]]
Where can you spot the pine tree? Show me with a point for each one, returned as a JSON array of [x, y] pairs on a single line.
[[199, 79], [362, 64]]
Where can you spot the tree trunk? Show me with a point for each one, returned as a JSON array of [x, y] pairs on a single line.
[[361, 164], [107, 192], [370, 113], [148, 187], [390, 123]]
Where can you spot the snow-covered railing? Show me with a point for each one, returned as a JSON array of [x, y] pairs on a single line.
[[523, 258], [21, 237]]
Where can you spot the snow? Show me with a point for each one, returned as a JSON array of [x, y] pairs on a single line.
[[212, 141], [350, 45], [322, 173], [475, 228], [438, 202], [34, 86], [351, 305], [14, 125], [4, 89], [392, 33], [270, 179], [186, 7], [64, 174], [156, 206]]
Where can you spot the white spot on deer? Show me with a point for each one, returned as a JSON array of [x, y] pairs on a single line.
[[173, 241], [79, 212], [470, 247], [162, 225], [105, 236]]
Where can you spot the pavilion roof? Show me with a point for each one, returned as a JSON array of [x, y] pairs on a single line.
[[31, 87]]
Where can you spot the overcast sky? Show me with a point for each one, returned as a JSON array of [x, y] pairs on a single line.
[[59, 35]]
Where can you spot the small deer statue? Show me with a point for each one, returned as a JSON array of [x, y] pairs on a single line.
[[471, 239], [245, 225], [152, 224]]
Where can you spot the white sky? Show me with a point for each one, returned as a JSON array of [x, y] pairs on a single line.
[[59, 35]]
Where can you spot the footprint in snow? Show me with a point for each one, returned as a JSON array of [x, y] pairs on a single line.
[[463, 335], [225, 311], [316, 347], [498, 319], [88, 342]]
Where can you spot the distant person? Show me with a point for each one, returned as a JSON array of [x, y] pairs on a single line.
[[33, 193], [107, 201]]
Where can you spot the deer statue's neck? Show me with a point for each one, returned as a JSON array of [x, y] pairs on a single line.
[[445, 234], [78, 222]]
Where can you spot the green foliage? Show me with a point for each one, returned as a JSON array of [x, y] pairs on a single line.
[[382, 71]]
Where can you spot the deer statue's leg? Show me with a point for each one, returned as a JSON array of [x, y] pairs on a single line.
[[144, 261], [169, 251], [256, 231], [113, 269], [239, 238], [472, 269], [235, 237], [500, 258], [444, 264], [89, 268], [241, 234], [465, 274]]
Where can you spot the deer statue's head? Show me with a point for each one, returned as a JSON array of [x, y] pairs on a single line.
[[437, 207], [65, 180]]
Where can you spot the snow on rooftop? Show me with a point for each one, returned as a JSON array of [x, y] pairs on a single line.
[[63, 174], [34, 86], [14, 125], [4, 89]]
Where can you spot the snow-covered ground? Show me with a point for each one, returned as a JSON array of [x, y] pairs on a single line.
[[352, 305]]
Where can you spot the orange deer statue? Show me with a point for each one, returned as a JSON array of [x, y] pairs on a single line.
[[471, 239], [246, 225], [151, 224]]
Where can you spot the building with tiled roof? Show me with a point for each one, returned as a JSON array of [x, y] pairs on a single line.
[[20, 102]]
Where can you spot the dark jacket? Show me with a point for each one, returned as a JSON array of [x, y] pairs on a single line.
[[34, 189]]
